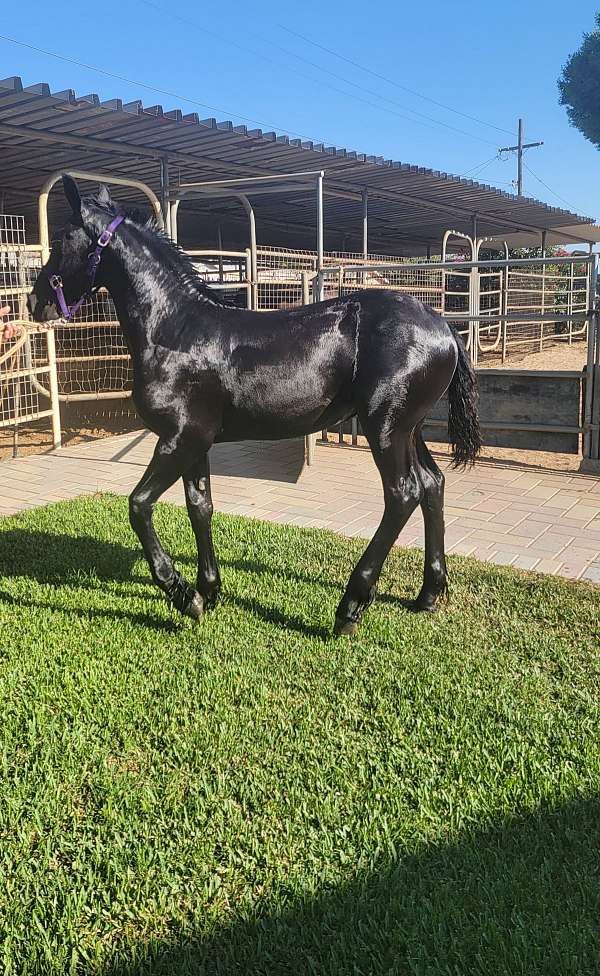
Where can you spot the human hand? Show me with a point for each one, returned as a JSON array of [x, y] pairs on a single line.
[[8, 330]]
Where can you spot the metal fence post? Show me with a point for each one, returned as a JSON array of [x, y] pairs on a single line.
[[474, 311], [592, 392], [320, 238], [595, 412], [53, 385], [570, 302], [305, 288], [504, 311], [318, 286], [248, 278], [310, 441]]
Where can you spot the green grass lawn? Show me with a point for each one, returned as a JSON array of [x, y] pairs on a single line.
[[253, 796]]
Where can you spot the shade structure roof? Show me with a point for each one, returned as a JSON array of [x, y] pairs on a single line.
[[410, 207]]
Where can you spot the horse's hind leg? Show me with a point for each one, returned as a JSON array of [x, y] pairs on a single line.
[[402, 492], [196, 483], [163, 471], [432, 506]]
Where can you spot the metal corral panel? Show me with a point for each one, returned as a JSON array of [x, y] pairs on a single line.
[[535, 410]]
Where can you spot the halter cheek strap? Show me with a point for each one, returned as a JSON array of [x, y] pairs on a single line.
[[68, 311]]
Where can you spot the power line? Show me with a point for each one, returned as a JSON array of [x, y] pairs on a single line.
[[481, 166], [429, 120], [152, 88], [390, 81], [549, 188]]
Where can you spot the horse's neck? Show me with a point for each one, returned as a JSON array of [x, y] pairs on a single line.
[[142, 291]]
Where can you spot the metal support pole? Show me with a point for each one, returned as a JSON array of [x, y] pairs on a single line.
[[365, 223], [220, 248], [253, 248], [164, 192], [320, 242]]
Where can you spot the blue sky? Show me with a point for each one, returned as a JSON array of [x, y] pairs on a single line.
[[493, 62]]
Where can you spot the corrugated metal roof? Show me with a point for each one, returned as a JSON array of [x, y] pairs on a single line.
[[410, 206]]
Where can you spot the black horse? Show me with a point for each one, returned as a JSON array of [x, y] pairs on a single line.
[[205, 372]]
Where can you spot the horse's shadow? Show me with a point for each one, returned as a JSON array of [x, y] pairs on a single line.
[[258, 568], [51, 558], [87, 562], [83, 561]]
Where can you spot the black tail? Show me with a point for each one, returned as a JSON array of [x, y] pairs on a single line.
[[463, 422]]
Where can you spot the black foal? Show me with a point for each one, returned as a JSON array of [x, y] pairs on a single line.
[[205, 372]]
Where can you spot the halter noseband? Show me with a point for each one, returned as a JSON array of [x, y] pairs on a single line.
[[94, 260]]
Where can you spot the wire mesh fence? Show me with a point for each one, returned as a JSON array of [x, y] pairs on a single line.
[[91, 355], [507, 309], [425, 284], [228, 272], [548, 289], [27, 370]]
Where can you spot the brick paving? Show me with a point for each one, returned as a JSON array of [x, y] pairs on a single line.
[[507, 514]]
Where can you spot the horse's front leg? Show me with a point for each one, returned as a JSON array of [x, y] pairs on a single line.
[[196, 483], [165, 468]]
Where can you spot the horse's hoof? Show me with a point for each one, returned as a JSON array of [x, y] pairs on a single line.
[[346, 628], [195, 608], [210, 601], [416, 606]]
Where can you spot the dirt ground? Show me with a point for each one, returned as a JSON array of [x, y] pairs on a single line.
[[36, 438], [560, 355], [80, 427]]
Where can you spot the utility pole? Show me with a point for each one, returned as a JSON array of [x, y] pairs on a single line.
[[519, 151]]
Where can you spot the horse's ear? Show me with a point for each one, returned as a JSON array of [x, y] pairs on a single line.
[[72, 193], [103, 196]]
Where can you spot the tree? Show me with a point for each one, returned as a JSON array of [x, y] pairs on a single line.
[[579, 86]]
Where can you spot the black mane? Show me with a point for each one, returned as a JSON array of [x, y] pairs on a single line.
[[170, 253]]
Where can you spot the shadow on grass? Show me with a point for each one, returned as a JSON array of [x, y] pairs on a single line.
[[272, 615], [63, 560], [91, 613], [50, 558], [522, 898], [257, 568]]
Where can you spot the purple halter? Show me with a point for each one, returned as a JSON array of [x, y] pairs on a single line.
[[94, 260]]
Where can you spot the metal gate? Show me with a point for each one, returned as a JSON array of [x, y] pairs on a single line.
[[28, 388]]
